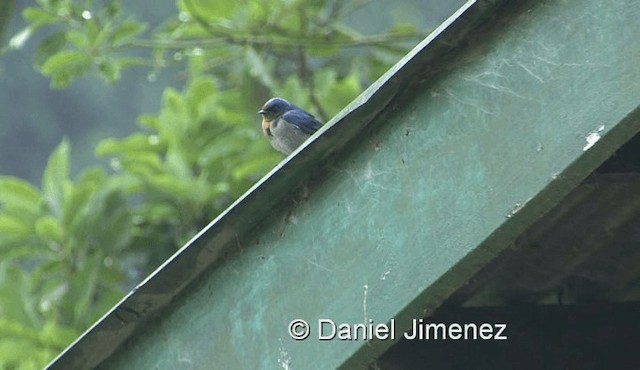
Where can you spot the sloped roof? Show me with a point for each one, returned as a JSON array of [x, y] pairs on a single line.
[[409, 196]]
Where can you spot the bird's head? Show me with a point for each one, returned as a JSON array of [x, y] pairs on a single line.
[[275, 108]]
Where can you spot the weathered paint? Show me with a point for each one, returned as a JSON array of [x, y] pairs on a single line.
[[475, 146]]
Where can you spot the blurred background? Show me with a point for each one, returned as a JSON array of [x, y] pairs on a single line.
[[125, 127]]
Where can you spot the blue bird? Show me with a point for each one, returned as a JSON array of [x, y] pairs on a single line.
[[285, 125]]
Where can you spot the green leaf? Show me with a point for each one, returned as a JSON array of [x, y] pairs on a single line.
[[15, 291], [116, 234], [211, 9], [48, 228], [16, 330], [50, 46], [21, 348], [77, 197], [143, 164], [125, 31], [53, 286], [78, 39], [17, 193], [177, 160], [57, 336], [64, 66], [94, 176], [155, 212], [135, 144], [335, 93], [200, 96], [109, 220], [109, 71], [149, 121], [173, 101], [94, 32], [55, 178], [38, 17], [13, 229], [83, 288], [293, 87], [76, 201], [170, 186]]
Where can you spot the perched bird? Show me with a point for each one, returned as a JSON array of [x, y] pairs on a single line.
[[285, 125]]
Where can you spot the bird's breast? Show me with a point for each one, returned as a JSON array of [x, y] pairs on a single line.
[[266, 127], [284, 136]]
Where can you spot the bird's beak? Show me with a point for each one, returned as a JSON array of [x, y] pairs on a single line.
[[262, 111]]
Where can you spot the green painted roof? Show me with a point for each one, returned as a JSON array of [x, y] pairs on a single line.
[[399, 202]]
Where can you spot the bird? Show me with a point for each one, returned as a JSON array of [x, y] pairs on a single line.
[[286, 125]]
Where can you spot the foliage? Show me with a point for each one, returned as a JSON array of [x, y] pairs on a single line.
[[291, 47], [70, 248], [61, 250]]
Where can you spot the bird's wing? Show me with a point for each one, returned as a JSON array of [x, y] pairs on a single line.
[[303, 120]]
